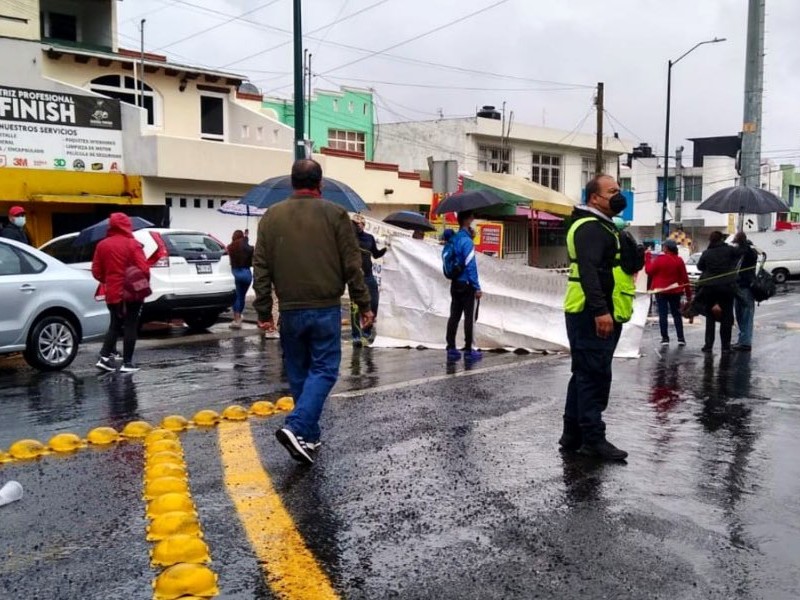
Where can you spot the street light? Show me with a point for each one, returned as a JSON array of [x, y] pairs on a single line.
[[664, 195]]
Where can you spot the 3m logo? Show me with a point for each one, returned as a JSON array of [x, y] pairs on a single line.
[[20, 162]]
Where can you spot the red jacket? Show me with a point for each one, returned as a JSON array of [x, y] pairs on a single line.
[[116, 253], [665, 270]]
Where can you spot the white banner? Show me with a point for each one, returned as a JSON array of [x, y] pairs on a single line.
[[522, 307], [54, 130]]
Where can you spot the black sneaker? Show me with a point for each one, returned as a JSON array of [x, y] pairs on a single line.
[[128, 368], [742, 347], [294, 444], [665, 341], [569, 442], [681, 343], [106, 363], [604, 450], [707, 349]]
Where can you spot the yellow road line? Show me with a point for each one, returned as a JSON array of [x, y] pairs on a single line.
[[289, 567]]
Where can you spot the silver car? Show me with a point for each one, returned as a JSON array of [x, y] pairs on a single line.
[[46, 308]]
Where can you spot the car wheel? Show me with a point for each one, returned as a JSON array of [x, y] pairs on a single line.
[[780, 276], [52, 344], [200, 322]]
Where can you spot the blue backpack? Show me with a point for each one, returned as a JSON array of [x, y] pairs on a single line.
[[451, 265]]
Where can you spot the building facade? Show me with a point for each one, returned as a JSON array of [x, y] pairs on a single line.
[[791, 191]]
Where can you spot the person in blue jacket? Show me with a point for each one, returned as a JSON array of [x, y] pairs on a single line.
[[464, 291]]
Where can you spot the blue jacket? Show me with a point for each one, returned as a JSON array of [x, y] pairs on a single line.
[[465, 250]]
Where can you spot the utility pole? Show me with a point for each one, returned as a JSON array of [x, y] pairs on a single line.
[[140, 95], [503, 141], [678, 184], [299, 113], [309, 97], [599, 165], [753, 90]]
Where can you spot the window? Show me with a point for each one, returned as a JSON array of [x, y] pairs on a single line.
[[197, 202], [335, 105], [212, 118], [692, 189], [18, 262], [546, 170], [169, 202], [123, 88], [351, 141], [365, 108], [587, 170], [210, 203], [494, 159], [59, 26], [350, 106], [183, 202]]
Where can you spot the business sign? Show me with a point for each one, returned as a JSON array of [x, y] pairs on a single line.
[[489, 238], [54, 130]]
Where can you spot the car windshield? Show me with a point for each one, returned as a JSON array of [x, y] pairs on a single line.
[[694, 258], [193, 246]]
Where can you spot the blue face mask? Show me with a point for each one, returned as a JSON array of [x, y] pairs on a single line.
[[19, 221]]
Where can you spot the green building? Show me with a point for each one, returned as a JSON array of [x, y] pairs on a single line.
[[791, 191], [340, 120]]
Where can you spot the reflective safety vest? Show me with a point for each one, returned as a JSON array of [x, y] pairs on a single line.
[[624, 288]]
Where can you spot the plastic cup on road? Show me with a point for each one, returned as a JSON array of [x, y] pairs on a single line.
[[10, 492]]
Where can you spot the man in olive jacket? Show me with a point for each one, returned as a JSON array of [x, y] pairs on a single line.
[[307, 250]]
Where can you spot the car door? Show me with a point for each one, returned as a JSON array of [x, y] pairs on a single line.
[[17, 293]]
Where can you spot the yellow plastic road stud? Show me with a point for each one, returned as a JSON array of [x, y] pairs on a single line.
[[164, 446], [183, 580], [165, 485], [103, 436], [235, 413], [165, 470], [285, 404], [24, 449], [170, 502], [180, 549], [173, 523], [5, 457], [206, 418], [262, 408], [160, 434], [65, 442], [160, 458], [137, 429], [175, 423]]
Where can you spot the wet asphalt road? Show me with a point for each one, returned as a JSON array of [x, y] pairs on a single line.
[[451, 488]]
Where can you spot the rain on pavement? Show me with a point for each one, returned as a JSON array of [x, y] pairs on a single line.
[[450, 487]]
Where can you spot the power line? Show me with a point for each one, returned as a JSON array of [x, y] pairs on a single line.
[[456, 87]]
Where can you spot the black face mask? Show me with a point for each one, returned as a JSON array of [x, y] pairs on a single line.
[[617, 203]]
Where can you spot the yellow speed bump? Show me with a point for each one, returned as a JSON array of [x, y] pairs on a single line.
[[285, 404], [173, 523], [165, 485], [262, 408], [65, 442], [185, 579], [103, 436], [137, 429], [235, 413], [175, 423], [206, 418], [170, 502], [160, 434], [180, 549], [25, 449], [164, 446], [166, 469], [160, 458]]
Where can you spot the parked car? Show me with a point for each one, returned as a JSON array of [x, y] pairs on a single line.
[[190, 273], [46, 308], [691, 266]]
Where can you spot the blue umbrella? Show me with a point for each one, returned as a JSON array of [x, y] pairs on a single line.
[[277, 189], [98, 231]]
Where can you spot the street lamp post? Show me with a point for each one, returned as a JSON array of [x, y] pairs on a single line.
[[663, 190]]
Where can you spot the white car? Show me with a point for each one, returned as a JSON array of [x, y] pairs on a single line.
[[46, 308], [190, 273], [691, 266]]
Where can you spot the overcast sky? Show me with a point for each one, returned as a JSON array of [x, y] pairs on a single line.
[[541, 57]]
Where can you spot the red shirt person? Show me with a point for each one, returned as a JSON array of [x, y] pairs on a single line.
[[670, 281], [112, 257]]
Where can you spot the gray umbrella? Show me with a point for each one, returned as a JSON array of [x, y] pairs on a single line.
[[744, 200]]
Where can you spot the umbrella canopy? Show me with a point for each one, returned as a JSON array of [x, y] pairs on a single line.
[[98, 231], [515, 190], [407, 219], [235, 207], [474, 200], [744, 200], [277, 189]]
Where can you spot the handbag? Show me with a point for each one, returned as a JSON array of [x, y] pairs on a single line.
[[763, 285]]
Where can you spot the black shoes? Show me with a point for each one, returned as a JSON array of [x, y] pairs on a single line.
[[707, 349], [603, 450], [298, 449], [742, 347], [570, 442]]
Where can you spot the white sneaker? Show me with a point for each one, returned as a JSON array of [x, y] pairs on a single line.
[[128, 368]]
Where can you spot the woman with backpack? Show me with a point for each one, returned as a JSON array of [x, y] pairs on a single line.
[[121, 268], [240, 253]]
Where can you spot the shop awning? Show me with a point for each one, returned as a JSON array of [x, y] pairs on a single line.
[[517, 191], [85, 199], [539, 215]]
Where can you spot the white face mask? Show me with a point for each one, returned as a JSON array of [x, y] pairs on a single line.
[[19, 221]]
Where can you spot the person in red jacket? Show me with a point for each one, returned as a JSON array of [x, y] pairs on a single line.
[[112, 257], [670, 281]]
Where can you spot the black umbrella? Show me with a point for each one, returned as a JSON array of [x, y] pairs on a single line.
[[472, 200], [277, 189], [409, 220], [98, 231], [743, 200]]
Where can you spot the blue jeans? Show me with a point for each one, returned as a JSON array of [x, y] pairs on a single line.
[[312, 350], [745, 308], [374, 294], [243, 278], [670, 304]]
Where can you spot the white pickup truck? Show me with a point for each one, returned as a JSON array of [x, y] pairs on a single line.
[[783, 252]]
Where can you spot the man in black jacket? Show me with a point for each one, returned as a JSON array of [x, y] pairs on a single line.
[[15, 230], [717, 288], [593, 333]]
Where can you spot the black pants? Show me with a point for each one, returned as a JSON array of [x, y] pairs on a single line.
[[462, 301], [125, 322], [590, 384], [724, 296]]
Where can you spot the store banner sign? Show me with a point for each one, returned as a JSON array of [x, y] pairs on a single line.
[[54, 130]]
